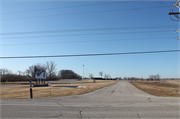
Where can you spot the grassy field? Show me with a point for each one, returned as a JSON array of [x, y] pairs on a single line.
[[43, 92], [159, 88], [15, 83], [52, 82]]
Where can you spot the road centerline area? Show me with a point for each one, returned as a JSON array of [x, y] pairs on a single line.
[[128, 89], [114, 89]]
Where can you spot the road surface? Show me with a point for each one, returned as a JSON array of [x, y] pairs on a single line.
[[120, 100]]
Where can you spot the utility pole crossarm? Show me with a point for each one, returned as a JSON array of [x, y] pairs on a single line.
[[177, 31], [176, 14], [173, 13], [176, 4]]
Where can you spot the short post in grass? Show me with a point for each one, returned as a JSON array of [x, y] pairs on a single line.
[[30, 85], [49, 83]]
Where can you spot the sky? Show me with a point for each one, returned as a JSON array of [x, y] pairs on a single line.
[[46, 28]]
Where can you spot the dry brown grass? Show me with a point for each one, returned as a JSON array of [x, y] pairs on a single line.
[[54, 82], [15, 83], [43, 92], [169, 89], [174, 82]]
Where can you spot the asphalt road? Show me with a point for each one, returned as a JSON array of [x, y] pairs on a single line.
[[121, 100]]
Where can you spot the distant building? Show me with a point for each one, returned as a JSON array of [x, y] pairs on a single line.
[[98, 78]]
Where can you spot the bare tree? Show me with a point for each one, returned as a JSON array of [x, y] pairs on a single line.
[[4, 71], [154, 77], [105, 76], [101, 73], [157, 76], [24, 73], [51, 68], [13, 78], [108, 76], [19, 72], [151, 77], [68, 74], [30, 71]]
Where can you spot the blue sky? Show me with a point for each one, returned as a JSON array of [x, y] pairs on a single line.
[[65, 15]]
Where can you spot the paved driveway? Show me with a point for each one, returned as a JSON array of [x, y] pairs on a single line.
[[121, 100]]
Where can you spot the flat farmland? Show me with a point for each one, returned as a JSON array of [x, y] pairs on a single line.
[[57, 90], [159, 88]]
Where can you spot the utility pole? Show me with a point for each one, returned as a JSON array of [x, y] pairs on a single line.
[[176, 14], [88, 74]]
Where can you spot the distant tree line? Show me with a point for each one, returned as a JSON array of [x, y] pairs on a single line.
[[13, 78], [68, 74], [29, 73], [154, 77], [151, 78]]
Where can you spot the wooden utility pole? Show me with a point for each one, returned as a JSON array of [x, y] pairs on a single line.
[[176, 14]]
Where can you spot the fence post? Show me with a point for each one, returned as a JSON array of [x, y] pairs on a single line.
[[31, 95]]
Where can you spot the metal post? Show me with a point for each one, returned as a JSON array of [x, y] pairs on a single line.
[[39, 81], [36, 81], [49, 83], [83, 71], [30, 89], [86, 73]]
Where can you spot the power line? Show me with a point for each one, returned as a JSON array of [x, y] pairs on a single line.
[[60, 8], [85, 13], [91, 29], [80, 55], [86, 34], [85, 41]]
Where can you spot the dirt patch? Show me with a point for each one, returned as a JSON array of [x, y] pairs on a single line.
[[159, 88], [43, 92]]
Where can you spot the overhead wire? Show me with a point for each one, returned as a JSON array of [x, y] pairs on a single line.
[[82, 55], [84, 34], [60, 7], [44, 43], [92, 29], [83, 13]]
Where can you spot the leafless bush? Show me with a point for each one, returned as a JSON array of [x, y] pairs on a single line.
[[13, 78]]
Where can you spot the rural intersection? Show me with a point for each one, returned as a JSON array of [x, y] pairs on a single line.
[[120, 100]]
